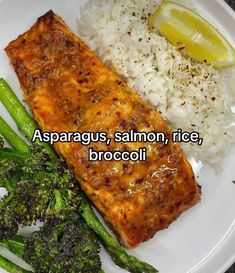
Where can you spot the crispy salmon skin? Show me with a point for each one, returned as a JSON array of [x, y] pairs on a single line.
[[69, 89]]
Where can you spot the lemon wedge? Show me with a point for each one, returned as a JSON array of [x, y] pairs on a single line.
[[189, 31]]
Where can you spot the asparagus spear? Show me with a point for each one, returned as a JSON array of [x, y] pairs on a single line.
[[15, 245], [116, 251], [10, 266], [12, 154], [14, 141], [26, 124]]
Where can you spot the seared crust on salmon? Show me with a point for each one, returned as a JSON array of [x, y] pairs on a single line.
[[69, 89]]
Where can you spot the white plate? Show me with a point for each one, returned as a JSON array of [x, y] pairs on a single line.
[[202, 240]]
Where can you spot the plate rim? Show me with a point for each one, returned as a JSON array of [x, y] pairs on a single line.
[[216, 253]]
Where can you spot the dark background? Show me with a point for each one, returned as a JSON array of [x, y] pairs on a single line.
[[232, 5]]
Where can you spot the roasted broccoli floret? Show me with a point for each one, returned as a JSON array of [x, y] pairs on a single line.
[[67, 246], [8, 225], [63, 247], [1, 142], [37, 190], [8, 231]]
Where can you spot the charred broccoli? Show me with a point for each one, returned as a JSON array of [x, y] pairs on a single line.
[[8, 230], [59, 246], [1, 142], [37, 190]]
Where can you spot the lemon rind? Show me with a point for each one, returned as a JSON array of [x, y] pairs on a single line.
[[162, 14]]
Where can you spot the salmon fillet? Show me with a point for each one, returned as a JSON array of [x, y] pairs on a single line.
[[69, 89]]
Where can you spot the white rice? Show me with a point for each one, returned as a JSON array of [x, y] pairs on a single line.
[[190, 95]]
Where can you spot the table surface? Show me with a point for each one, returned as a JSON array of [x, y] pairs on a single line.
[[232, 5]]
